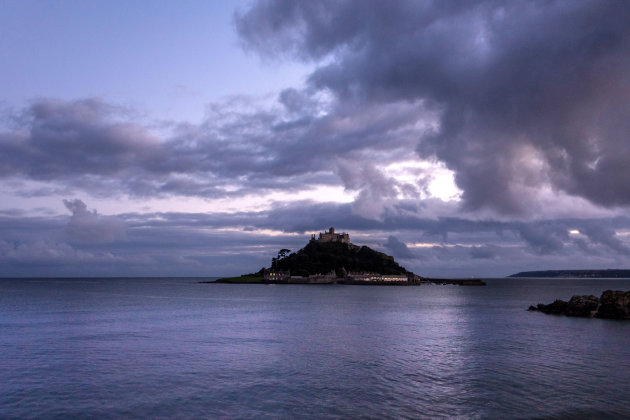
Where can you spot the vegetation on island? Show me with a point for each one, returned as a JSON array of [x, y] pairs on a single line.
[[324, 257], [245, 278]]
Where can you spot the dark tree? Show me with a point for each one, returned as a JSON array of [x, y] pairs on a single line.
[[283, 253]]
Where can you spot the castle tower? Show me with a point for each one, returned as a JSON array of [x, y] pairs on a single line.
[[331, 236]]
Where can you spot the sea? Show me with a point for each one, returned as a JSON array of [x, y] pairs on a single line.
[[175, 348]]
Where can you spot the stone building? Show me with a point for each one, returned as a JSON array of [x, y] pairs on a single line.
[[277, 275], [331, 236], [376, 278], [323, 278]]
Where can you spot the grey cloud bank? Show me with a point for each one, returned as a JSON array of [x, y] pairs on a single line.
[[87, 243], [87, 145], [529, 93]]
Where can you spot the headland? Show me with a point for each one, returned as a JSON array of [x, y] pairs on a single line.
[[601, 274]]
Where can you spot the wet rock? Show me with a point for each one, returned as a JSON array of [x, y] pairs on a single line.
[[582, 306], [556, 308], [614, 304]]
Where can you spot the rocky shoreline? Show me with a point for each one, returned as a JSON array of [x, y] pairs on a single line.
[[613, 304]]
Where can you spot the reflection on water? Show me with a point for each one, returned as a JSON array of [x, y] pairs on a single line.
[[172, 347]]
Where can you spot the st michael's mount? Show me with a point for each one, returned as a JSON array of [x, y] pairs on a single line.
[[331, 258]]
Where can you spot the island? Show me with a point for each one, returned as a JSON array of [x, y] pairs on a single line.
[[603, 274], [331, 258]]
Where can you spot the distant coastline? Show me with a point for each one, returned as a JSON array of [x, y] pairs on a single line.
[[604, 274]]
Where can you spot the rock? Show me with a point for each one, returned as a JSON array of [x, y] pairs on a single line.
[[614, 304], [582, 305], [557, 307]]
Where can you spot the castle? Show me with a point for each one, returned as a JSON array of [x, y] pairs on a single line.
[[331, 236]]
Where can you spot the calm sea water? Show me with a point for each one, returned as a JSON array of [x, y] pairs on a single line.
[[172, 348]]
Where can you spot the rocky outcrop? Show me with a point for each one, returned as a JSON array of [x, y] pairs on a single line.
[[582, 306], [556, 308], [612, 305]]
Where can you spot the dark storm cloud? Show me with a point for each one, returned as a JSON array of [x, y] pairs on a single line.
[[529, 93]]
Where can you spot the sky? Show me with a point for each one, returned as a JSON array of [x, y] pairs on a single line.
[[465, 138]]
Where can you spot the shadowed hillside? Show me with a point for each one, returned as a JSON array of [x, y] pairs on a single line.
[[322, 257]]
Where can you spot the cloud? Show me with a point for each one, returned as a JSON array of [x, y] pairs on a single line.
[[89, 226], [376, 191], [530, 94], [484, 251], [242, 148], [45, 253], [198, 244], [77, 137], [604, 235], [397, 248], [525, 101], [544, 238]]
